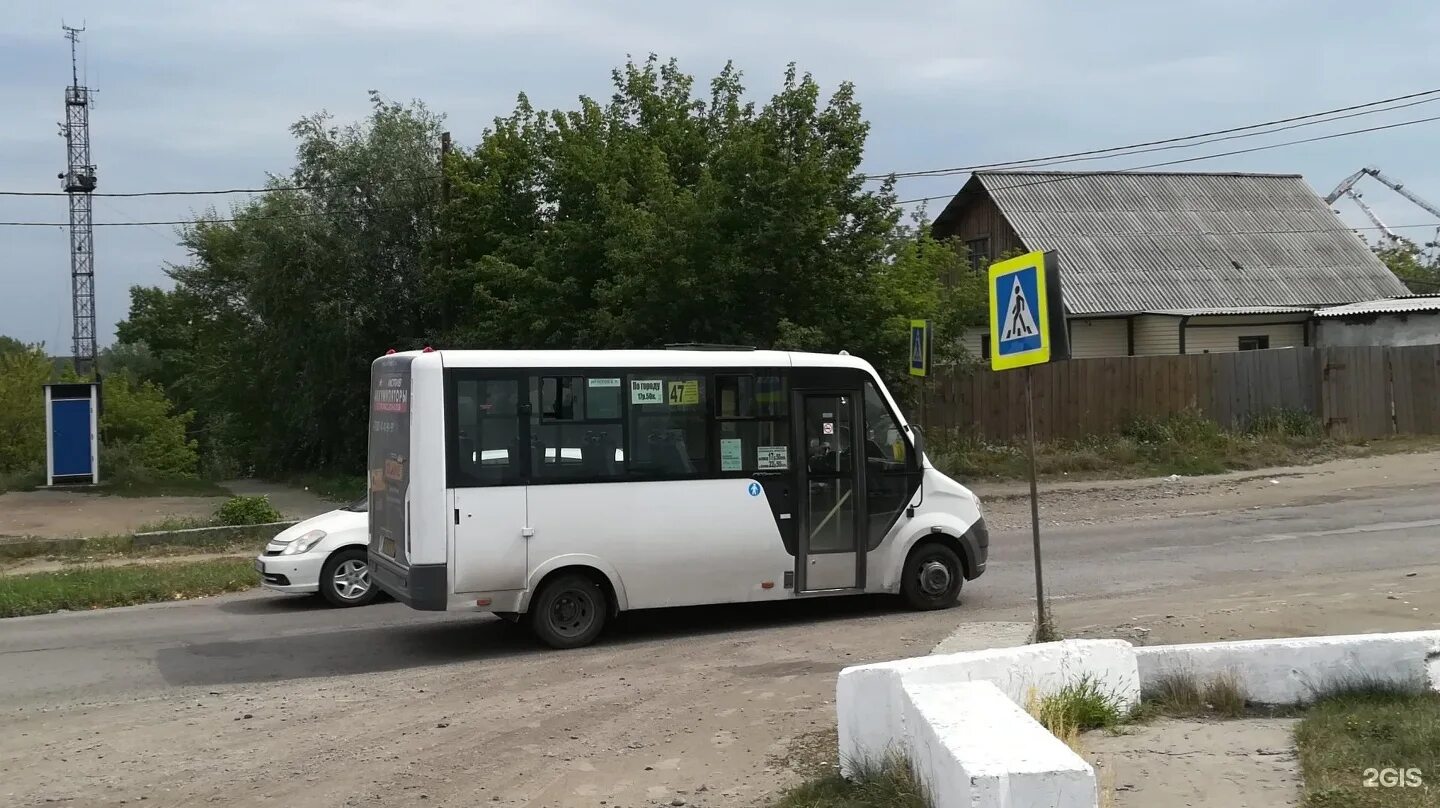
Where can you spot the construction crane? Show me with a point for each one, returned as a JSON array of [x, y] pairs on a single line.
[[1400, 189], [1347, 188], [1391, 235]]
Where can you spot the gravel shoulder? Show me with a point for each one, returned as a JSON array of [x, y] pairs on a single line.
[[1173, 763]]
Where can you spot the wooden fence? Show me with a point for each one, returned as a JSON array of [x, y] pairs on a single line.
[[1360, 392]]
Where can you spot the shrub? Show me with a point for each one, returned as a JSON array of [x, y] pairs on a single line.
[[1078, 706], [22, 408], [141, 433], [247, 511], [1285, 423]]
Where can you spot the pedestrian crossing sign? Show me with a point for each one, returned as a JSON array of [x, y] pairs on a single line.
[[1020, 312]]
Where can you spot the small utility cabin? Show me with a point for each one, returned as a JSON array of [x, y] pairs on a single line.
[[1162, 263]]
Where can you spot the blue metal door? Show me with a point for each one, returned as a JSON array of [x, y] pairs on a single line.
[[70, 437]]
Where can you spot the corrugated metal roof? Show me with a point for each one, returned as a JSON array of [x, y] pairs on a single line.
[[1392, 305], [1135, 242], [1233, 310]]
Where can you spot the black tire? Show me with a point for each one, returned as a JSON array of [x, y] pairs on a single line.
[[569, 611], [348, 571], [932, 577]]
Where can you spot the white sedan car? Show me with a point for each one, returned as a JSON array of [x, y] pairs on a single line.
[[324, 554]]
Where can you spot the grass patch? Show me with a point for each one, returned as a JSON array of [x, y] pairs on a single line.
[[176, 523], [891, 783], [160, 486], [104, 587], [1343, 735], [1079, 706], [1184, 443], [1045, 629], [1183, 695], [334, 487], [25, 480], [217, 540]]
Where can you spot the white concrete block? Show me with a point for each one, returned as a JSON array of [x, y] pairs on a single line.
[[1294, 670], [975, 748], [868, 697]]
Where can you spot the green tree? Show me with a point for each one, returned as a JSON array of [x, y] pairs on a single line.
[[1412, 267], [661, 215], [12, 345], [23, 372], [141, 434], [271, 325]]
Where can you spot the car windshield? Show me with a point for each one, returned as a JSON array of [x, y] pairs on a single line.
[[359, 506]]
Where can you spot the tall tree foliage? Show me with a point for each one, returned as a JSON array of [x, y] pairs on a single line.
[[24, 369], [271, 326], [1410, 264], [662, 215]]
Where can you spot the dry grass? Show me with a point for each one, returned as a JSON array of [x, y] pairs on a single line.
[[1184, 695], [889, 783]]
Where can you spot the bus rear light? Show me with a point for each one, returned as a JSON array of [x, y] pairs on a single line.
[[483, 602], [767, 584]]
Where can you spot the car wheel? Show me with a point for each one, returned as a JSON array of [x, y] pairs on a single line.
[[569, 611], [345, 578], [932, 578]]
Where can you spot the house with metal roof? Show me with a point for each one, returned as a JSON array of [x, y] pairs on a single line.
[[1407, 320], [1172, 263]]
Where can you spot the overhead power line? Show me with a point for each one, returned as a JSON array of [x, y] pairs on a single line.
[[1058, 178], [1079, 174], [1185, 141], [224, 191], [206, 220], [1095, 153]]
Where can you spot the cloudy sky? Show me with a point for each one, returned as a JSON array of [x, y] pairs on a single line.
[[199, 94]]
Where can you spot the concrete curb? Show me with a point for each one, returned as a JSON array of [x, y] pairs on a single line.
[[956, 734]]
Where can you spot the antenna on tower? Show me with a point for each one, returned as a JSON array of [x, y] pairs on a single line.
[[78, 181]]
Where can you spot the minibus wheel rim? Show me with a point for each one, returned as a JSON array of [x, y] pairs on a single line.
[[572, 612]]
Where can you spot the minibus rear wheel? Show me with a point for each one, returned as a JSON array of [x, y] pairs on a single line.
[[569, 611]]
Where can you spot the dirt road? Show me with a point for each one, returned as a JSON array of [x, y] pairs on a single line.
[[257, 700]]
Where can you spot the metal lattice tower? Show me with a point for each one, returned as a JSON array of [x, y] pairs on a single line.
[[79, 182]]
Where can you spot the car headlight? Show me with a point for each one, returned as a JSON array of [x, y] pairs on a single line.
[[304, 543]]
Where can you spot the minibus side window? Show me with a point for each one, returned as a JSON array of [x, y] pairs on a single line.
[[667, 424], [485, 432], [576, 433], [751, 423]]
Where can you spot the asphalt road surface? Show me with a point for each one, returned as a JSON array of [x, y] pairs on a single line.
[[257, 699]]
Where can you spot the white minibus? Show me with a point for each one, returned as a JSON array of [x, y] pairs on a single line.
[[564, 487]]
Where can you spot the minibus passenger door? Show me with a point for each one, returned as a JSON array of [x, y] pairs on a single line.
[[831, 497]]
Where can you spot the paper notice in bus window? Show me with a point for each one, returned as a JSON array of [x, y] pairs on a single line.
[[647, 391], [684, 394], [772, 457], [604, 382], [731, 454]]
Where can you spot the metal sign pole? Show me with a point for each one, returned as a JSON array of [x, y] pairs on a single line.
[[1040, 616]]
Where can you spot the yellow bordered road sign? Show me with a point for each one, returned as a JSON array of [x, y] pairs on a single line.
[[1019, 313], [919, 347]]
